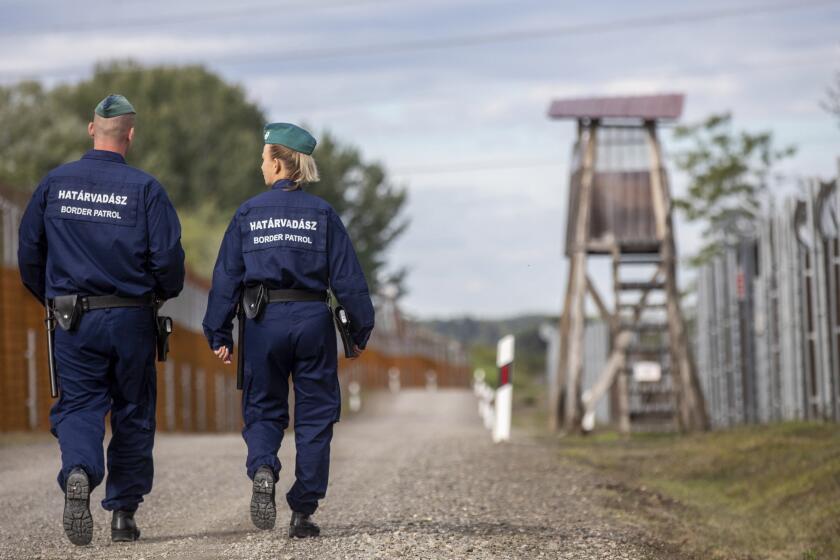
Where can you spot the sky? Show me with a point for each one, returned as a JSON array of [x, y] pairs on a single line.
[[451, 96]]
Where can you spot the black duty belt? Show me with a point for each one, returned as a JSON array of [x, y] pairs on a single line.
[[276, 296], [68, 310], [89, 303], [257, 296]]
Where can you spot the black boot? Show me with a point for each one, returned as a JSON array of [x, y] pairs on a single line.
[[123, 527], [301, 526], [78, 523], [263, 510]]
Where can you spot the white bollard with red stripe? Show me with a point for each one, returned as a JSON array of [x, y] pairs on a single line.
[[355, 400], [504, 393], [485, 398]]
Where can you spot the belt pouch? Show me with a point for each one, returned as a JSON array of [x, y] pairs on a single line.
[[68, 311], [254, 299]]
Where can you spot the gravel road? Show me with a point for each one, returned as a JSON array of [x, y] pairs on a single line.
[[413, 476]]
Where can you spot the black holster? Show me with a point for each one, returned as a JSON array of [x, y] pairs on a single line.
[[342, 323], [68, 311], [254, 300], [163, 329]]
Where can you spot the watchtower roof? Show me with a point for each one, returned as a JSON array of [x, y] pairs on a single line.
[[646, 107]]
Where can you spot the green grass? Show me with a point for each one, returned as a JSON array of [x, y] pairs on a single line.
[[752, 492]]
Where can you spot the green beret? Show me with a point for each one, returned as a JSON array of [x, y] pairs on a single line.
[[113, 106], [289, 135]]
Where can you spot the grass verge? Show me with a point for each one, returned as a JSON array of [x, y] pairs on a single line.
[[753, 492]]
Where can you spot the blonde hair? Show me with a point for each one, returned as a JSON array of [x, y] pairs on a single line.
[[300, 168]]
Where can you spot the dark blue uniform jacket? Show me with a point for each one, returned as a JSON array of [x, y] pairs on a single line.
[[110, 230], [289, 240]]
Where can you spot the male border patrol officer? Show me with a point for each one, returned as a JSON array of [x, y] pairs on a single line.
[[288, 247], [106, 233]]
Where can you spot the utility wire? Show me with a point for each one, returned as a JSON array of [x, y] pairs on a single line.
[[519, 35], [685, 72], [592, 28], [271, 8], [435, 168]]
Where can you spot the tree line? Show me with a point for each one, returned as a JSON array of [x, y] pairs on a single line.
[[202, 138]]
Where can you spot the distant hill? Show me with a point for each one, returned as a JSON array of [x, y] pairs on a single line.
[[470, 331], [481, 335]]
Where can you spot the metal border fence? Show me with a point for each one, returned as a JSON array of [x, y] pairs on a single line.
[[768, 317]]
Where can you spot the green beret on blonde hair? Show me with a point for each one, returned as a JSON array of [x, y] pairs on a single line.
[[291, 136]]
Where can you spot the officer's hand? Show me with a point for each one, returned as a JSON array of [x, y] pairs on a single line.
[[357, 351], [223, 354]]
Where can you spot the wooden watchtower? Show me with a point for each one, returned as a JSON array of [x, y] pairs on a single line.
[[620, 208]]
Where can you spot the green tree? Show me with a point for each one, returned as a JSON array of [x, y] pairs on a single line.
[[36, 134], [369, 205], [728, 173], [202, 138]]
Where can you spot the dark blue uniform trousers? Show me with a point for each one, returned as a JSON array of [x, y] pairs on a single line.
[[108, 364], [296, 338]]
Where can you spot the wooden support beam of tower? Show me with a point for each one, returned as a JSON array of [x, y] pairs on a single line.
[[619, 399], [690, 402], [577, 284], [603, 310], [556, 389]]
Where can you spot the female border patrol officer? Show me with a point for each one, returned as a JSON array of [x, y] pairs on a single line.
[[283, 250]]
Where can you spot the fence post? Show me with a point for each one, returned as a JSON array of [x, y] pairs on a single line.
[[32, 379]]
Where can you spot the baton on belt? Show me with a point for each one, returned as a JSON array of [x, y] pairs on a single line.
[[49, 322], [240, 359]]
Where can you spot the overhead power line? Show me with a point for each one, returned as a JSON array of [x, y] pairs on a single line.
[[500, 164], [271, 8], [433, 168], [529, 34], [512, 36], [206, 15], [685, 71]]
